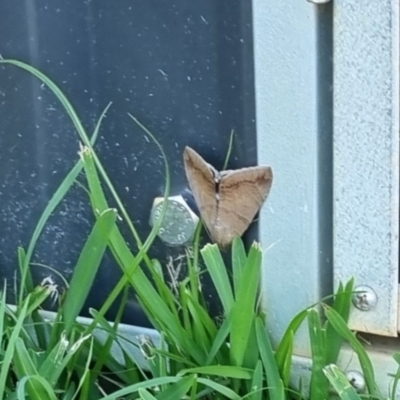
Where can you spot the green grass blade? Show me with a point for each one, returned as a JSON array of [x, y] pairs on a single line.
[[217, 387], [342, 304], [85, 377], [287, 339], [24, 367], [69, 392], [58, 358], [252, 353], [199, 318], [182, 361], [239, 258], [104, 355], [257, 383], [340, 325], [9, 353], [27, 286], [286, 367], [318, 384], [46, 392], [340, 383], [150, 383], [218, 272], [226, 371], [275, 388], [38, 296], [27, 283], [132, 372], [243, 311], [86, 391], [343, 298], [220, 341], [202, 315], [146, 395], [177, 390], [87, 266], [187, 322], [396, 357], [22, 361], [3, 314]]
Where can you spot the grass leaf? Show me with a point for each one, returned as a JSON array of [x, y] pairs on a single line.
[[218, 272], [44, 390], [217, 387], [239, 258], [340, 326], [342, 304], [257, 383], [281, 354], [275, 388], [227, 371], [178, 390], [340, 383], [146, 395], [319, 384], [87, 266], [9, 353], [151, 383], [243, 311]]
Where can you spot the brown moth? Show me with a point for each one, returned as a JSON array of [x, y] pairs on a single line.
[[229, 200]]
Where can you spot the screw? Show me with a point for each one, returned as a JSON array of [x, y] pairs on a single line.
[[366, 299], [179, 224], [356, 380]]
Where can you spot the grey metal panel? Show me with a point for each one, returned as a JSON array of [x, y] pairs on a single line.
[[366, 154], [294, 137]]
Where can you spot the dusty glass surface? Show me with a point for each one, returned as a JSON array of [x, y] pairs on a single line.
[[184, 69]]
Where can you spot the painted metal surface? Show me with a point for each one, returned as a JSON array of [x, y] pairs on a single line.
[[293, 78], [366, 155]]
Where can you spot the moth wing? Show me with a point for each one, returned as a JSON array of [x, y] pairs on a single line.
[[201, 179], [241, 194]]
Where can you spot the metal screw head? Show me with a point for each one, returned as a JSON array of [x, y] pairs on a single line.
[[179, 224], [365, 299], [356, 380]]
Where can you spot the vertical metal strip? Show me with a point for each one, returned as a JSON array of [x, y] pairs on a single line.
[[294, 221], [366, 155]]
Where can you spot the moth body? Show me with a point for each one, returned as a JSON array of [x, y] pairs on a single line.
[[229, 200]]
